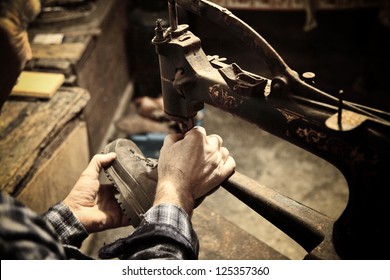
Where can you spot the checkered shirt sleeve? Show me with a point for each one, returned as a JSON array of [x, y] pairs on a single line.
[[67, 226], [172, 215], [165, 233], [24, 234]]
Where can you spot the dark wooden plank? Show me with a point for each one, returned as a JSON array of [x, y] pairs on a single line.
[[28, 126]]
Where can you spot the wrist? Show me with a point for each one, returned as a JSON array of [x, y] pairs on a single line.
[[170, 193]]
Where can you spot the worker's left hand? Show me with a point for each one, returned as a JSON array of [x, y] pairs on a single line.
[[92, 203]]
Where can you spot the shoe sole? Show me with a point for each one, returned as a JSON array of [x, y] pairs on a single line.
[[133, 201]]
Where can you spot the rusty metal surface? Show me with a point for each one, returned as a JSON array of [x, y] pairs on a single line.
[[305, 225]]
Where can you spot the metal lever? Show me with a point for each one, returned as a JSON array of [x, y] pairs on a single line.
[[303, 224], [340, 111]]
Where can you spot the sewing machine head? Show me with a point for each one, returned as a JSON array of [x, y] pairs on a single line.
[[353, 137]]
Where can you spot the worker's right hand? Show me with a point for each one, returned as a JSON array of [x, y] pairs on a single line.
[[190, 166]]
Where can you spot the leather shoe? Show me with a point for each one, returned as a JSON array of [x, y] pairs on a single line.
[[134, 176]]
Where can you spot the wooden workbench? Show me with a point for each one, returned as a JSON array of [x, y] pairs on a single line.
[[43, 146]]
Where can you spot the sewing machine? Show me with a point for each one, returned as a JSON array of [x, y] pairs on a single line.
[[352, 137]]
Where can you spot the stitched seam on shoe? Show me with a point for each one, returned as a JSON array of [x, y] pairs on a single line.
[[138, 189]]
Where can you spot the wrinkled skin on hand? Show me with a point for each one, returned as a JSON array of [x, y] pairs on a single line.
[[190, 166], [93, 204]]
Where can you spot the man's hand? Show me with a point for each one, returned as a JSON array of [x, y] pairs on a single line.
[[93, 204], [190, 167]]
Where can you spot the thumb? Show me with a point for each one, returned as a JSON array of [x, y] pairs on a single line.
[[100, 160]]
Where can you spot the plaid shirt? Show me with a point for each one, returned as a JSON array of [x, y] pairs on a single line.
[[165, 232]]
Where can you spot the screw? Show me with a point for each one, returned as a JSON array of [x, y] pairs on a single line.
[[159, 30]]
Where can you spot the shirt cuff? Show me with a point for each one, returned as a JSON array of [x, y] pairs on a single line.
[[172, 215], [165, 233], [68, 227]]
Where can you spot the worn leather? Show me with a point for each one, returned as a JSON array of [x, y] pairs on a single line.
[[134, 176]]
